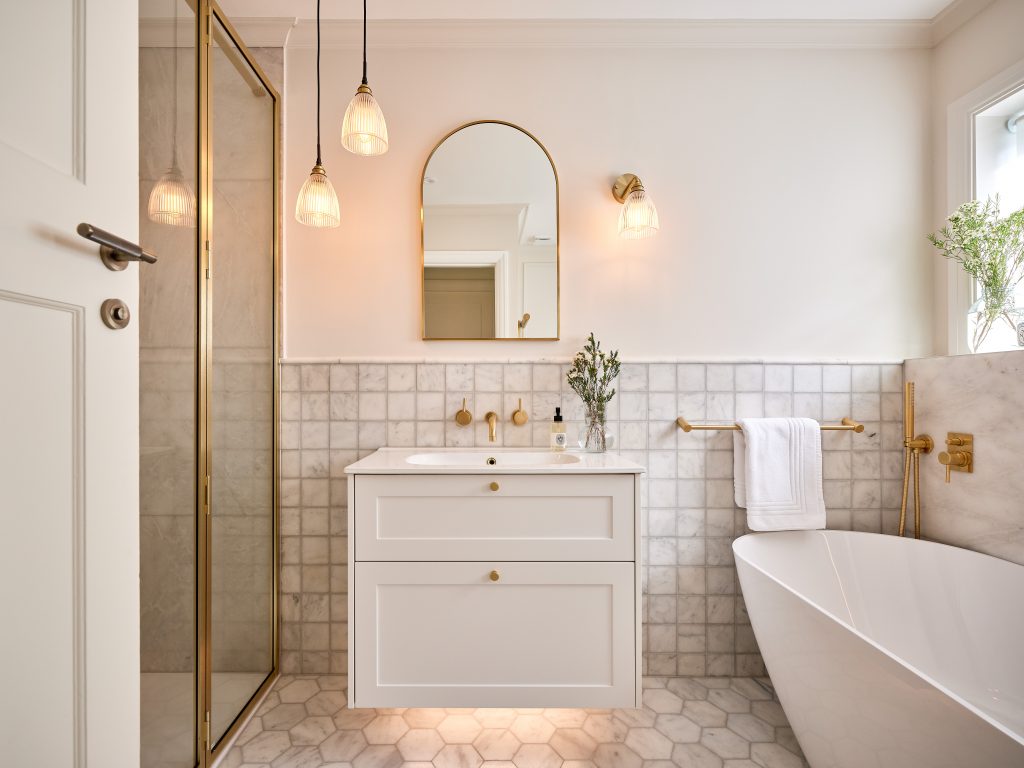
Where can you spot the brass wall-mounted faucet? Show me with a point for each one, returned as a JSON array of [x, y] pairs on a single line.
[[492, 426], [519, 416], [960, 456]]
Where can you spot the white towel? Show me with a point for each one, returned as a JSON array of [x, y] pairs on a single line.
[[777, 474]]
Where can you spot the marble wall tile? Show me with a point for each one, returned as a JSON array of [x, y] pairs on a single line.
[[695, 622], [982, 395]]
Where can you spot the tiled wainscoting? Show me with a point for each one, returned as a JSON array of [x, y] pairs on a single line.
[[695, 622]]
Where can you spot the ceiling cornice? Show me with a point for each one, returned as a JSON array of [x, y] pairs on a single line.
[[954, 16], [615, 34]]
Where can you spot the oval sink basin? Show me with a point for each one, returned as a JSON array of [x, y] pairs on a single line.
[[497, 459]]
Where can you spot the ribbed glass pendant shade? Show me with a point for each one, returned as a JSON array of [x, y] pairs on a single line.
[[639, 217], [363, 131], [317, 205], [172, 200]]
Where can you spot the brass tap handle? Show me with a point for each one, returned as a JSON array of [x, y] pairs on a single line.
[[955, 441], [519, 416], [463, 417], [954, 458]]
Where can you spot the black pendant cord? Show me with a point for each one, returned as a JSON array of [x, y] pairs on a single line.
[[365, 82], [318, 162]]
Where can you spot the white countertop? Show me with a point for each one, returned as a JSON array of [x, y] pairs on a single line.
[[393, 461]]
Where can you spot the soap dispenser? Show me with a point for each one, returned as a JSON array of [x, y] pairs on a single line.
[[558, 438]]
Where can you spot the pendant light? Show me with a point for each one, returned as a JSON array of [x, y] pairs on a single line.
[[638, 218], [172, 200], [317, 205], [363, 131]]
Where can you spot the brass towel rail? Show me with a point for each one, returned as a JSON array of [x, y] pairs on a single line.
[[845, 424]]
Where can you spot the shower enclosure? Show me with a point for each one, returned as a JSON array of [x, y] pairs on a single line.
[[209, 144]]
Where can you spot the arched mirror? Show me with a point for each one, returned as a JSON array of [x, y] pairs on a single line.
[[490, 236]]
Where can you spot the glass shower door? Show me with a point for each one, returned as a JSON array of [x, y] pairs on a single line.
[[241, 339]]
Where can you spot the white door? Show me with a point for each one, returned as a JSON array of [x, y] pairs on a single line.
[[69, 655]]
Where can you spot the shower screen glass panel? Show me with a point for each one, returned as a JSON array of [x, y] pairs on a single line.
[[242, 348], [167, 397]]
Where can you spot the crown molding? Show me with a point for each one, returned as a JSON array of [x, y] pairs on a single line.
[[615, 34], [954, 16], [256, 33]]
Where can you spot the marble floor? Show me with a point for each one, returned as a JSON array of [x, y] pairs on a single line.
[[684, 723]]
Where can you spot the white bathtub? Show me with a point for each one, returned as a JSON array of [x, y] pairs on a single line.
[[890, 652]]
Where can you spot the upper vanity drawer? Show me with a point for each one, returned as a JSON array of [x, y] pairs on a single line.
[[481, 517]]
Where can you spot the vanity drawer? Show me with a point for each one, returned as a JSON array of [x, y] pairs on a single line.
[[464, 517], [451, 635]]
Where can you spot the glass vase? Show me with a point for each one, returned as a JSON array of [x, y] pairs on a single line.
[[994, 333], [595, 438]]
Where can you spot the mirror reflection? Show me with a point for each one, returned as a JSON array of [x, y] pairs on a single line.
[[490, 236]]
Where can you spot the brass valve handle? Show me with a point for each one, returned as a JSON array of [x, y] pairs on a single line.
[[519, 416], [463, 417], [954, 458]]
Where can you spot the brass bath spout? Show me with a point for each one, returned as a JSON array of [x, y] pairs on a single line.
[[492, 426]]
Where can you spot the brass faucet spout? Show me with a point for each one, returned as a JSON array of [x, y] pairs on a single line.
[[492, 426]]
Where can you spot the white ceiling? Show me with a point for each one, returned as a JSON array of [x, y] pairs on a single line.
[[782, 10]]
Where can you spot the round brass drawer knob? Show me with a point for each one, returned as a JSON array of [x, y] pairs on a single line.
[[494, 575], [495, 486]]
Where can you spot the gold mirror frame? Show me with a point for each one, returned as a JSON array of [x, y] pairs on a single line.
[[558, 238]]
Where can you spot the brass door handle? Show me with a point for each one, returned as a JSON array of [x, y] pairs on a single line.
[[494, 486], [494, 576]]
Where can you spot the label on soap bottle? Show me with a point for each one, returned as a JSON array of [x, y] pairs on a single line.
[[558, 441]]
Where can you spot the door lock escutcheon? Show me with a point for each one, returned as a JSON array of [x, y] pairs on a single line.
[[115, 314]]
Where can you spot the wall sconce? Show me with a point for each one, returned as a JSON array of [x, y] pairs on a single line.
[[639, 217]]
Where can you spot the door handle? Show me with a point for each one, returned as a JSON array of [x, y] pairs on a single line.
[[115, 252]]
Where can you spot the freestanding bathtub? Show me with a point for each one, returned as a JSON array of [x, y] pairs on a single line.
[[890, 652]]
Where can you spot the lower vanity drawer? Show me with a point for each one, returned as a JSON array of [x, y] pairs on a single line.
[[494, 517], [494, 634]]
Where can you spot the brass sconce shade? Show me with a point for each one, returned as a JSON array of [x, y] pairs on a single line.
[[363, 130], [172, 200], [639, 217], [317, 204]]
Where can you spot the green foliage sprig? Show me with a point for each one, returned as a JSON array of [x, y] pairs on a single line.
[[991, 250], [591, 376]]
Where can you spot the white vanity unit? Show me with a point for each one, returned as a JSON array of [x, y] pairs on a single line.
[[497, 578]]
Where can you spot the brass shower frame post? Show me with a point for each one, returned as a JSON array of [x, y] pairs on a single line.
[[208, 17]]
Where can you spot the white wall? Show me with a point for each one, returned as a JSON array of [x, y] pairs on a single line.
[[792, 186], [987, 44]]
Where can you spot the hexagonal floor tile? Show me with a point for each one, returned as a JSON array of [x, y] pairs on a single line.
[[729, 700], [266, 747], [299, 757], [378, 756], [325, 703], [496, 744], [343, 746], [354, 719], [385, 729], [774, 756], [298, 691], [769, 711], [459, 729], [636, 718], [616, 756], [605, 728], [695, 756], [662, 701], [725, 743], [566, 718], [649, 743], [284, 717], [532, 729], [420, 744], [573, 744], [705, 714], [536, 756], [679, 728], [751, 728], [423, 718], [687, 689], [495, 718], [312, 731], [458, 756]]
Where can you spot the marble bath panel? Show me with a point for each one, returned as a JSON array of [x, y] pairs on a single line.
[[981, 395]]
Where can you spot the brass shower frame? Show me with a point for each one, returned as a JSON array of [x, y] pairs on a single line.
[[208, 16]]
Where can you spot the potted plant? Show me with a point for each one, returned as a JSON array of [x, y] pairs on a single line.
[[591, 376], [990, 249]]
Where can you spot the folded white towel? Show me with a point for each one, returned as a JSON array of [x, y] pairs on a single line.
[[777, 474]]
